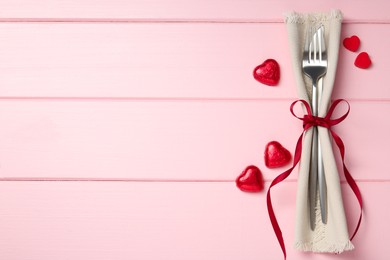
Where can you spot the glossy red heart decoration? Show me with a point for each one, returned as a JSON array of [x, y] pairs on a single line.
[[352, 43], [276, 155], [250, 180], [363, 61], [267, 73]]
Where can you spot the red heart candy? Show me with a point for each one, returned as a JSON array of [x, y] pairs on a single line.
[[352, 43], [250, 180], [276, 155], [363, 61], [267, 73]]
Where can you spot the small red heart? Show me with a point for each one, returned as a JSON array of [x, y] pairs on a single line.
[[250, 180], [267, 73], [276, 155], [352, 43], [363, 61]]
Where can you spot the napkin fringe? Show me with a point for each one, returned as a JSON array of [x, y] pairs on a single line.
[[299, 18], [327, 248]]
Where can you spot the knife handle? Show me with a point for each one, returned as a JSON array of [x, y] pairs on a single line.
[[322, 185]]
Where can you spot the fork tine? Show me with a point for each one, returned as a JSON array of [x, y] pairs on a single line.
[[314, 49], [318, 37], [323, 39], [307, 41], [321, 43], [310, 38]]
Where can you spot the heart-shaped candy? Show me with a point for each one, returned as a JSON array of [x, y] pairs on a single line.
[[352, 43], [250, 180], [363, 61], [276, 155], [267, 73]]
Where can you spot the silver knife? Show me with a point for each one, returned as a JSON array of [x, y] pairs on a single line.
[[321, 172]]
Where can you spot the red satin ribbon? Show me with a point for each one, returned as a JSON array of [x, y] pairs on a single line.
[[308, 121]]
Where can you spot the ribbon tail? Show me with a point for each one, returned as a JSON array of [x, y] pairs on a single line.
[[274, 221], [278, 179], [351, 182], [356, 191]]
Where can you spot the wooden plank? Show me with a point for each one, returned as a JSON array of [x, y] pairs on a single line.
[[179, 60], [169, 140], [236, 10], [123, 220]]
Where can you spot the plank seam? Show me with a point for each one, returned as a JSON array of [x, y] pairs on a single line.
[[47, 179], [173, 20], [172, 99]]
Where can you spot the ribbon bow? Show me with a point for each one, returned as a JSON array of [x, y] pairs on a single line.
[[309, 121]]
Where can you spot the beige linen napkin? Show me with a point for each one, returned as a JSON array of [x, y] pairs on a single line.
[[333, 236]]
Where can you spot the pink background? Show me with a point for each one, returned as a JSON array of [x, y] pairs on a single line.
[[123, 125]]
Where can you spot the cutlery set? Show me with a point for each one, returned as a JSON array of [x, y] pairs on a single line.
[[314, 65]]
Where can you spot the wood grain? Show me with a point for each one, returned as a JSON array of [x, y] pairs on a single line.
[[169, 140], [217, 10], [113, 221], [125, 124], [158, 60]]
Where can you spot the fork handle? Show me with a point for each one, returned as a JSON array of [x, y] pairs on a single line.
[[313, 176], [317, 176]]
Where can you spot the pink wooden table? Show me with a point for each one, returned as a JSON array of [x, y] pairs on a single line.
[[123, 125]]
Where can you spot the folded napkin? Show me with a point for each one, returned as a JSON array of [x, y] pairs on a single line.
[[331, 237]]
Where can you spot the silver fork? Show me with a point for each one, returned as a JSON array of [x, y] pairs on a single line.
[[314, 65]]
